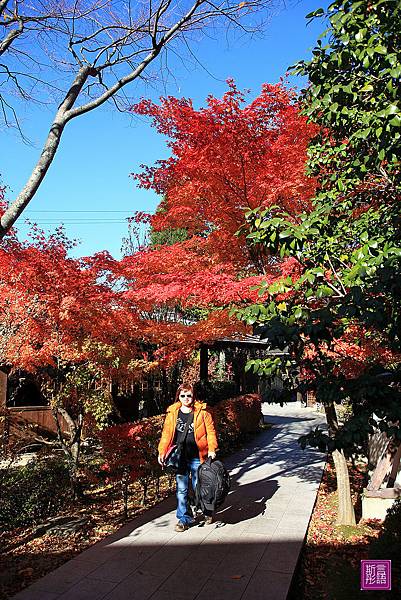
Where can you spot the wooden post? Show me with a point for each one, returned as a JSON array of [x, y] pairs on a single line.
[[310, 398], [4, 421], [394, 468], [3, 389], [382, 468], [204, 360]]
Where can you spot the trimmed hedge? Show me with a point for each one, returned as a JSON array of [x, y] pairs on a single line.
[[235, 418], [34, 492], [130, 449]]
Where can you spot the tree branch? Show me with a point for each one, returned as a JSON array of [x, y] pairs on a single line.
[[49, 150], [94, 31], [10, 37]]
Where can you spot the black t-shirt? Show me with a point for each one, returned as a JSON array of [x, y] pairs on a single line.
[[190, 447]]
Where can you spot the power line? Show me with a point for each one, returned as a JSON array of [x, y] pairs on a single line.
[[80, 223], [77, 211]]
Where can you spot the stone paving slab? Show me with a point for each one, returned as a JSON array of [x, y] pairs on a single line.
[[249, 553]]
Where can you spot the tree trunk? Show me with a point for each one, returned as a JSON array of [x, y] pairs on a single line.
[[346, 512], [72, 450], [75, 450], [204, 363], [48, 153]]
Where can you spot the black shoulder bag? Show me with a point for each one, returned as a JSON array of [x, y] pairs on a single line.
[[174, 456]]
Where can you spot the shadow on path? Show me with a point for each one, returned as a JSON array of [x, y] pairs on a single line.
[[247, 501], [230, 569], [250, 553]]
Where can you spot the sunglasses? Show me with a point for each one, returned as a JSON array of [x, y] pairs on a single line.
[[186, 395]]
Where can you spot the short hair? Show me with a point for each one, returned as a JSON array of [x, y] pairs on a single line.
[[188, 387]]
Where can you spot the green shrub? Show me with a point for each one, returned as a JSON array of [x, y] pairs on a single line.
[[388, 544], [33, 492]]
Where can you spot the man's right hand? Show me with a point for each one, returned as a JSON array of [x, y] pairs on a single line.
[[160, 460]]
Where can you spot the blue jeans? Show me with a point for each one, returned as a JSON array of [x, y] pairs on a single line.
[[184, 514]]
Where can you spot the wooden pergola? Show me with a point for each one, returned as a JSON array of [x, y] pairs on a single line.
[[246, 343], [387, 465]]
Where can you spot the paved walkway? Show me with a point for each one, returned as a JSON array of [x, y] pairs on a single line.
[[250, 553]]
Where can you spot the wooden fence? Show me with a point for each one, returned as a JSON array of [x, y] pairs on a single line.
[[28, 422]]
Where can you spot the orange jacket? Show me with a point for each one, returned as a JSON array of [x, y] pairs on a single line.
[[204, 431]]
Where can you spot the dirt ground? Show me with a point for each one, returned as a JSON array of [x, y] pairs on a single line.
[[25, 558]]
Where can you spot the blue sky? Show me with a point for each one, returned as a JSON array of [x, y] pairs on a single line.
[[99, 150]]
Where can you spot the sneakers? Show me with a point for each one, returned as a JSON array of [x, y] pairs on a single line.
[[181, 527], [208, 520]]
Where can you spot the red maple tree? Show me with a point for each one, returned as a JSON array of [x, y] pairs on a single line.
[[54, 308], [227, 157]]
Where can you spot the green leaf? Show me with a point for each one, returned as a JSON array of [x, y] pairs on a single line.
[[392, 109], [363, 133], [324, 290], [298, 313], [315, 13], [395, 121]]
